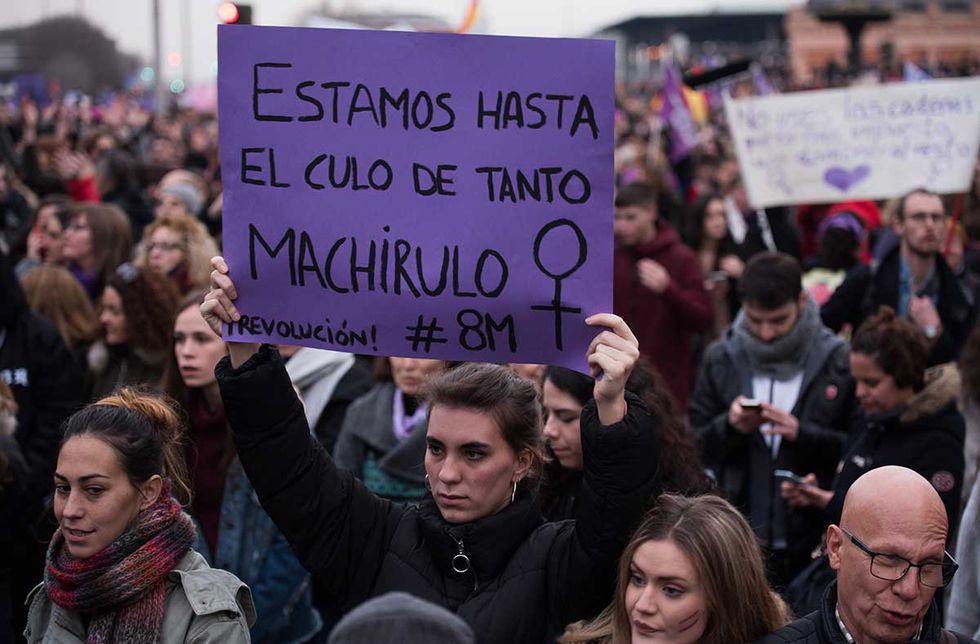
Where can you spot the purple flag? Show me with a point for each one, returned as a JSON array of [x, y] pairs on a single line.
[[913, 73], [683, 130], [418, 194], [762, 85]]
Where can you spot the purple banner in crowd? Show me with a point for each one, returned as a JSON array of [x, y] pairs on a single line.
[[683, 131], [428, 195]]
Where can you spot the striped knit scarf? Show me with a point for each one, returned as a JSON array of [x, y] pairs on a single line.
[[122, 586]]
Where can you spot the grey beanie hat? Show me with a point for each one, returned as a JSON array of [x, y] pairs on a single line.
[[186, 193], [400, 617]]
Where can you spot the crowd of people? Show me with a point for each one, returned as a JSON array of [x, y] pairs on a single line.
[[782, 422]]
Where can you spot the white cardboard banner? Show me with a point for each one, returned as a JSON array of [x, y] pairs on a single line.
[[875, 142]]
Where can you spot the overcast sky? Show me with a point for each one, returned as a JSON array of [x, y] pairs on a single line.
[[189, 25]]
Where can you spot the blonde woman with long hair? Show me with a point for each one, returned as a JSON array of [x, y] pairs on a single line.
[[692, 573], [178, 246], [53, 292]]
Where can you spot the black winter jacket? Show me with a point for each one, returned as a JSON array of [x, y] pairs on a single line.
[[742, 463], [864, 291], [820, 627], [46, 383], [527, 580], [926, 437]]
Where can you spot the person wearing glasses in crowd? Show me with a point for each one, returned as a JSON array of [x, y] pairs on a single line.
[[913, 279], [889, 554], [178, 246]]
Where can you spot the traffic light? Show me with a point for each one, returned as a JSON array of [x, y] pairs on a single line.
[[235, 13]]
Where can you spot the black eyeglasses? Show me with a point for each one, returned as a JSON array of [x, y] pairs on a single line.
[[892, 567]]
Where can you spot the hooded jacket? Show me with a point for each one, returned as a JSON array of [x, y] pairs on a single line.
[[820, 627], [525, 579], [664, 323], [742, 463], [927, 436]]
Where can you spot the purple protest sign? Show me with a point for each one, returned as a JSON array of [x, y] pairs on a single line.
[[407, 194], [683, 131]]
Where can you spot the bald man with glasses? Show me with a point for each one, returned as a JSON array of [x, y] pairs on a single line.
[[889, 552]]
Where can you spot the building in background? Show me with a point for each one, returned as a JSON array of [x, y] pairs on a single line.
[[695, 39], [933, 34]]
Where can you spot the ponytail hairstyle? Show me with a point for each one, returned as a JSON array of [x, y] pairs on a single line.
[[144, 430]]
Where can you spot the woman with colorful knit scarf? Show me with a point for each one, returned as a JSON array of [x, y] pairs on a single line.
[[120, 567]]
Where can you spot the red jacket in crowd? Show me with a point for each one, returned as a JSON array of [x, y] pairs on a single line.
[[664, 323]]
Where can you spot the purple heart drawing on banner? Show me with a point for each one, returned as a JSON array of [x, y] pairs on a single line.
[[844, 179]]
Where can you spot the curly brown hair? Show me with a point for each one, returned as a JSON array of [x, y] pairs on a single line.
[[897, 346], [199, 247], [679, 469], [149, 301]]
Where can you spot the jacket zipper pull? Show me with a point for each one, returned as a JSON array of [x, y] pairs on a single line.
[[461, 563]]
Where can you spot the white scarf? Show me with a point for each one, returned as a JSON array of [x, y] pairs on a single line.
[[316, 373]]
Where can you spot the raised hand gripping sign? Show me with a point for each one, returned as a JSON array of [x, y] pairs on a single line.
[[871, 142], [429, 195]]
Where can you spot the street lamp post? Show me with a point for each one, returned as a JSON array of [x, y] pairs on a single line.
[[159, 92]]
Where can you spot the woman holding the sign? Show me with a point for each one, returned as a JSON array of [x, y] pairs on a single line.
[[477, 543]]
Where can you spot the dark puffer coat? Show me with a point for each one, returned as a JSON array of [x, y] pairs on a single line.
[[927, 436], [527, 579], [820, 627]]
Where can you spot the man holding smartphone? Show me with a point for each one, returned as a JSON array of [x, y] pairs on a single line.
[[774, 393]]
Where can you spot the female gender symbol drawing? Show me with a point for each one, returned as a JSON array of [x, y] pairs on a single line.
[[556, 305]]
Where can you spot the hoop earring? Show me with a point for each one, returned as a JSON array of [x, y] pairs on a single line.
[[427, 486], [513, 493]]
